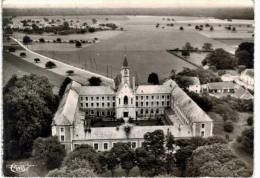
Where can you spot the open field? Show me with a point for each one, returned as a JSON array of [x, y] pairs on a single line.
[[14, 65]]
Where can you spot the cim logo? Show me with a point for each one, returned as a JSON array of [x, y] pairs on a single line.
[[20, 167]]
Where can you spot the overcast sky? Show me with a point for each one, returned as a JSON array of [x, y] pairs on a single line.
[[127, 3]]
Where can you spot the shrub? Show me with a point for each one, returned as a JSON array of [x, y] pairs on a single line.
[[50, 65], [22, 54], [250, 121], [58, 40], [41, 40], [37, 60], [27, 40], [228, 126], [70, 72], [11, 49], [181, 28], [78, 44]]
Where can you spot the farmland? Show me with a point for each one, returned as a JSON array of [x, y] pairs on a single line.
[[143, 43]]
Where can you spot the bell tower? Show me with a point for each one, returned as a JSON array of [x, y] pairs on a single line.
[[125, 72]]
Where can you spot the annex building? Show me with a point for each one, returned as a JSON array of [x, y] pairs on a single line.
[[82, 104]]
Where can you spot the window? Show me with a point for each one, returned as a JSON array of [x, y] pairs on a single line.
[[87, 98], [97, 104], [168, 103], [108, 113], [136, 97], [147, 104], [152, 97], [168, 96], [92, 112], [103, 97], [96, 146], [162, 96], [113, 98], [151, 111], [62, 129], [114, 104], [152, 103], [146, 111], [158, 97], [105, 146], [162, 103], [97, 98], [157, 111], [102, 113], [81, 104], [131, 100], [62, 138], [142, 103], [108, 98], [91, 98], [108, 104], [76, 145], [125, 100], [133, 144], [202, 133], [142, 97], [119, 100], [81, 98], [92, 104], [103, 104], [86, 104], [147, 97], [142, 111], [157, 103], [202, 126], [136, 103]]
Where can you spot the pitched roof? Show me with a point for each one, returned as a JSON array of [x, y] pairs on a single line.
[[125, 63], [96, 90], [188, 107], [68, 106], [136, 132], [221, 85], [242, 93]]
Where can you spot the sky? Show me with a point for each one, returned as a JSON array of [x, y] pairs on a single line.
[[125, 3]]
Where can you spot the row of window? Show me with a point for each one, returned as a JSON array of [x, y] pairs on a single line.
[[157, 103], [92, 105], [91, 98], [100, 113], [147, 97], [149, 111], [105, 146]]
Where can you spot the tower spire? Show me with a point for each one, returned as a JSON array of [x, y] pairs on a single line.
[[125, 63]]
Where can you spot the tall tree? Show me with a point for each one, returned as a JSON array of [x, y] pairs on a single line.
[[170, 141], [94, 81], [245, 54], [153, 78], [45, 150]]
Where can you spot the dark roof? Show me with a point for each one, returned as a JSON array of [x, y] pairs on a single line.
[[125, 63]]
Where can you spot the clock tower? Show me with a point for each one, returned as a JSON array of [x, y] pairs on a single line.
[[125, 73]]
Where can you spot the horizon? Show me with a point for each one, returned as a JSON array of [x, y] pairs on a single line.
[[114, 4]]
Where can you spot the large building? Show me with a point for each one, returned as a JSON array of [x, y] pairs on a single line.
[[81, 104]]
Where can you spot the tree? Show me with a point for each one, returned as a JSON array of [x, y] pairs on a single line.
[[50, 65], [181, 28], [234, 29], [94, 21], [182, 156], [29, 105], [185, 52], [26, 40], [170, 141], [83, 153], [45, 150], [127, 161], [187, 46], [245, 54], [143, 160], [22, 54], [228, 126], [63, 86], [42, 40], [154, 142], [58, 40], [11, 49], [250, 121], [211, 28], [37, 60], [84, 170], [216, 160], [207, 46], [247, 140], [94, 81], [65, 25], [70, 72], [78, 44], [221, 59], [173, 74], [153, 78]]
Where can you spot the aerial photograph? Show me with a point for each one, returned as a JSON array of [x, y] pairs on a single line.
[[128, 88]]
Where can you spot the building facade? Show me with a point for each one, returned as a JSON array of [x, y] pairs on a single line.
[[81, 104]]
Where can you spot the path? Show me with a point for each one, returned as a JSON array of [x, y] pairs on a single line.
[[79, 75]]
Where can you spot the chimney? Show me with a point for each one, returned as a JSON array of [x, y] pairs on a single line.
[[134, 83]]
